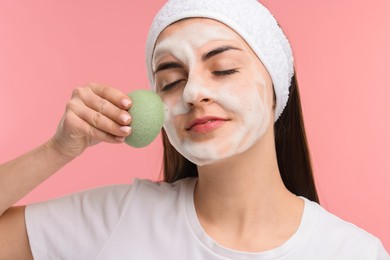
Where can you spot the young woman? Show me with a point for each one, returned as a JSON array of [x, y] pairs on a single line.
[[238, 181]]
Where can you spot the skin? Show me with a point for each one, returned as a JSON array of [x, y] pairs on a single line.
[[240, 98], [240, 199], [94, 114]]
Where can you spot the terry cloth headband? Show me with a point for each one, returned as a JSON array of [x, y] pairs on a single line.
[[251, 20]]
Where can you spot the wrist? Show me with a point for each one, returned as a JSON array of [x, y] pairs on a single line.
[[61, 154]]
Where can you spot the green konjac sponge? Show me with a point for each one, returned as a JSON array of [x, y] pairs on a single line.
[[147, 117]]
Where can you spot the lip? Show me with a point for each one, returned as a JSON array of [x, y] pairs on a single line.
[[205, 124]]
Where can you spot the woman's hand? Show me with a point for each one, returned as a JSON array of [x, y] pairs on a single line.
[[94, 114]]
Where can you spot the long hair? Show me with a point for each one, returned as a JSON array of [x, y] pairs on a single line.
[[291, 149]]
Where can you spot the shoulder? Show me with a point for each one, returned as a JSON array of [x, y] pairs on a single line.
[[338, 227], [76, 225], [342, 236], [160, 193], [98, 197]]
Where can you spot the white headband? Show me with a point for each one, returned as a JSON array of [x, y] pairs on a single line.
[[251, 20]]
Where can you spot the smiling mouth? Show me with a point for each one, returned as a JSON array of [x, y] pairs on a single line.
[[205, 125]]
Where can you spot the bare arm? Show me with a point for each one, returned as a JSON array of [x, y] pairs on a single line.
[[21, 175], [94, 114], [14, 242], [17, 178]]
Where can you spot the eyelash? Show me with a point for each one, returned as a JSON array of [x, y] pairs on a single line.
[[171, 85], [224, 72], [219, 73]]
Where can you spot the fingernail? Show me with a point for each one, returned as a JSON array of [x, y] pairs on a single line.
[[126, 102], [125, 118], [125, 129]]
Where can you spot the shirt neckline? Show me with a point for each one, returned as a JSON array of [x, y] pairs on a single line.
[[220, 250]]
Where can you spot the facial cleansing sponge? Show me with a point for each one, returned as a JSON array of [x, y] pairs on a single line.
[[147, 117]]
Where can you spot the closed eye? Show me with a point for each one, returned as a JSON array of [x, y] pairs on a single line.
[[171, 85], [224, 72]]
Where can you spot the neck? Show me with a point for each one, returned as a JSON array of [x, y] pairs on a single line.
[[250, 176], [245, 194]]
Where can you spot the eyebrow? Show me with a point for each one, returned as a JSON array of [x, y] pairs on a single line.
[[205, 57], [168, 65], [217, 51]]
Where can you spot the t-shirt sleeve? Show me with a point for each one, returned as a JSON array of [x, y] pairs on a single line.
[[378, 251], [75, 226]]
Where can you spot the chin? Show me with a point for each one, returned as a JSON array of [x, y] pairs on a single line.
[[204, 161]]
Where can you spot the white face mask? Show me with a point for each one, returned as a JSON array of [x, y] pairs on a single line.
[[238, 101]]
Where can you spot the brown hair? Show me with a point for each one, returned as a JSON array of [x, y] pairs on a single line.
[[291, 149]]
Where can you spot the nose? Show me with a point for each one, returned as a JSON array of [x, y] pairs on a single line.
[[196, 93]]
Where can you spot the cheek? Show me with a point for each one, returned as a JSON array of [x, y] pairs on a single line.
[[174, 106], [238, 97], [229, 95]]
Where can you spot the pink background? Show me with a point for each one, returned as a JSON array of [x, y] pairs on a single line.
[[342, 54]]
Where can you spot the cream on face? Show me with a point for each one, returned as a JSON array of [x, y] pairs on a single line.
[[241, 98]]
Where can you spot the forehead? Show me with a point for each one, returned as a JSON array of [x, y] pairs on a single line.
[[198, 31], [194, 24]]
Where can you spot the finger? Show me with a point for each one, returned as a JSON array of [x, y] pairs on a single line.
[[113, 95], [83, 129], [98, 120], [106, 108], [102, 105]]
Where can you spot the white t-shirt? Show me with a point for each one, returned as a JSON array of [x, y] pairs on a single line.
[[149, 220]]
